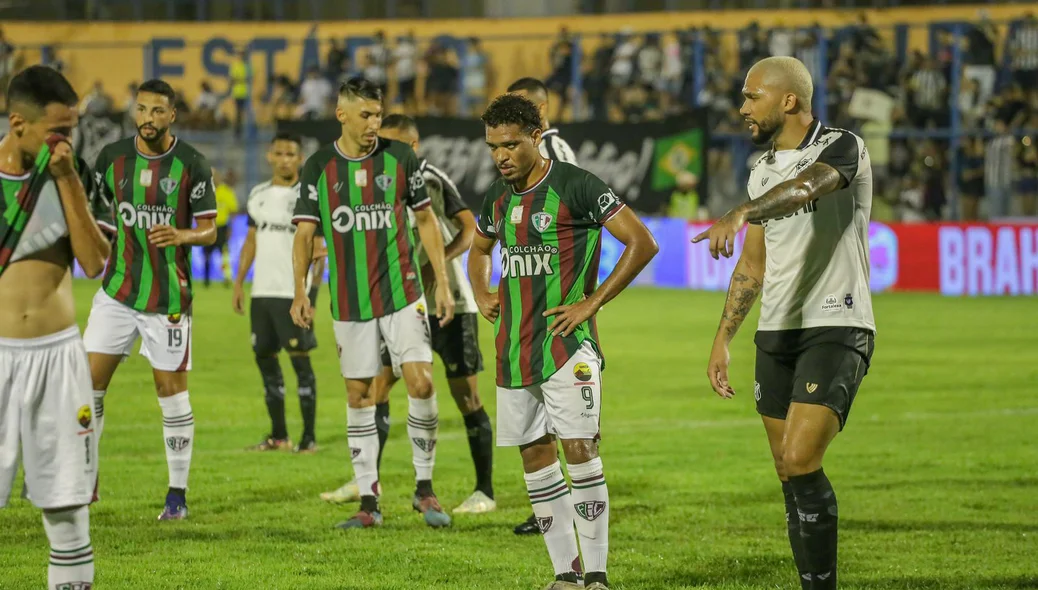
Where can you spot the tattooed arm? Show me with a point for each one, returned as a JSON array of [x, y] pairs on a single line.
[[747, 282], [816, 180]]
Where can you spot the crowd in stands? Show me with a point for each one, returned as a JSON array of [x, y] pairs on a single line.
[[862, 83]]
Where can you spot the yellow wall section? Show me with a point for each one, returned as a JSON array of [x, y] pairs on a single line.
[[114, 52]]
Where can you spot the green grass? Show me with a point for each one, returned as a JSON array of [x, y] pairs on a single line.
[[936, 473]]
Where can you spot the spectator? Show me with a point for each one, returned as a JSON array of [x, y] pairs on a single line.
[[207, 107], [441, 84], [315, 95], [684, 201], [971, 178], [929, 89], [1027, 176], [334, 61], [979, 56], [376, 65], [241, 84], [560, 80], [998, 170], [477, 78], [97, 102], [405, 68], [285, 98], [1024, 52]]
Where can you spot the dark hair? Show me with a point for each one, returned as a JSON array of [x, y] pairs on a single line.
[[399, 121], [529, 85], [512, 109], [288, 136], [40, 86], [156, 86], [360, 88]]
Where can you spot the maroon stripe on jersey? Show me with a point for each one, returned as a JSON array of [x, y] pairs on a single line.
[[118, 173], [367, 194], [151, 197], [183, 253], [331, 177], [568, 257], [403, 241], [504, 302], [526, 324]]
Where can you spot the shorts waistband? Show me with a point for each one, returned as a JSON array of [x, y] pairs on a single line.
[[70, 333]]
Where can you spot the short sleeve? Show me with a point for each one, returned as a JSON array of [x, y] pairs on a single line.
[[452, 201], [308, 205], [485, 224], [203, 190], [416, 196], [596, 201], [98, 193], [842, 154]]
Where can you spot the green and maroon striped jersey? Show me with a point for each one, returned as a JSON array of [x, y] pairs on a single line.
[[32, 217], [360, 206], [146, 191], [550, 248]]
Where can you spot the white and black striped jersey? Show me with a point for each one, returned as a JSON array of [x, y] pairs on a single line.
[[446, 204], [270, 208], [817, 269], [554, 147]]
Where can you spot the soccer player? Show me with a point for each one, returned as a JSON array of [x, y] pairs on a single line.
[[807, 248], [548, 217], [45, 400], [358, 191], [269, 244], [457, 344], [157, 183], [551, 147]]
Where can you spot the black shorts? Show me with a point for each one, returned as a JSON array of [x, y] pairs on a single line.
[[457, 344], [811, 366], [273, 329]]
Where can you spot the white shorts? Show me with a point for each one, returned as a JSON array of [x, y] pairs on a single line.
[[113, 328], [47, 405], [568, 405], [406, 334]]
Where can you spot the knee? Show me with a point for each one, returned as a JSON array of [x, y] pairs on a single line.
[[67, 528], [304, 371], [421, 386], [539, 454], [168, 387], [579, 450], [797, 461], [360, 393], [780, 464], [465, 397]]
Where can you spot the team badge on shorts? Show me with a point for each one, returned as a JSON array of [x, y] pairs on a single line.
[[812, 387], [420, 308], [293, 342], [173, 318], [84, 416], [582, 371]]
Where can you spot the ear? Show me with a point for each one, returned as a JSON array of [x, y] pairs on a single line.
[[536, 136], [340, 114], [17, 123], [173, 119]]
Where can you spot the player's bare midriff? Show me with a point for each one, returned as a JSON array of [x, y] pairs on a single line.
[[36, 294]]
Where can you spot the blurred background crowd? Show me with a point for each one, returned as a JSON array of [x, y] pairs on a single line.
[[947, 108]]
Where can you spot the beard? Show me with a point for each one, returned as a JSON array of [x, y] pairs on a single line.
[[159, 132], [767, 129]]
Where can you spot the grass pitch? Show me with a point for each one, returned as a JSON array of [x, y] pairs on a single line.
[[936, 473]]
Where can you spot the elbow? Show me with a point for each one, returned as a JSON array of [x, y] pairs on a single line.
[[94, 266]]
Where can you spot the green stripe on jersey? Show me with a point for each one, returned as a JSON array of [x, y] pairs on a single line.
[[360, 245], [396, 278], [11, 214], [552, 282], [176, 170], [329, 236], [120, 239], [515, 294], [140, 195]]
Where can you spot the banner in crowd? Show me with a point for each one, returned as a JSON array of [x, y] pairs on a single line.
[[952, 259], [639, 161]]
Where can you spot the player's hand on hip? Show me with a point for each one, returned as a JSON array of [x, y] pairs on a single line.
[[62, 161], [302, 313], [722, 233], [238, 299], [717, 370], [569, 317], [444, 303], [320, 251], [489, 305], [163, 236]]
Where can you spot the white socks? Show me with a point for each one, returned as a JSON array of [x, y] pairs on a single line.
[[552, 507], [423, 421], [99, 412], [362, 437], [71, 554], [178, 430], [591, 504]]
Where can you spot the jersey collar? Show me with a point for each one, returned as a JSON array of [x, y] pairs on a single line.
[[374, 147], [812, 134], [538, 183], [162, 155], [549, 131]]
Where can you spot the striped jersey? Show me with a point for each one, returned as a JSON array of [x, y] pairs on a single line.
[[146, 191], [360, 206], [553, 147], [550, 239], [32, 217]]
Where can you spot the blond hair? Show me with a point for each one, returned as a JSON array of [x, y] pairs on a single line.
[[788, 75]]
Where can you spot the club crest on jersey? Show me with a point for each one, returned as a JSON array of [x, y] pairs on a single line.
[[848, 300], [541, 220], [168, 185], [517, 214], [383, 182], [590, 510], [544, 523], [84, 415], [145, 178]]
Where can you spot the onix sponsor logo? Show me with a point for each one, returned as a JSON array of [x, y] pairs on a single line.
[[145, 216], [527, 261], [362, 218]]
